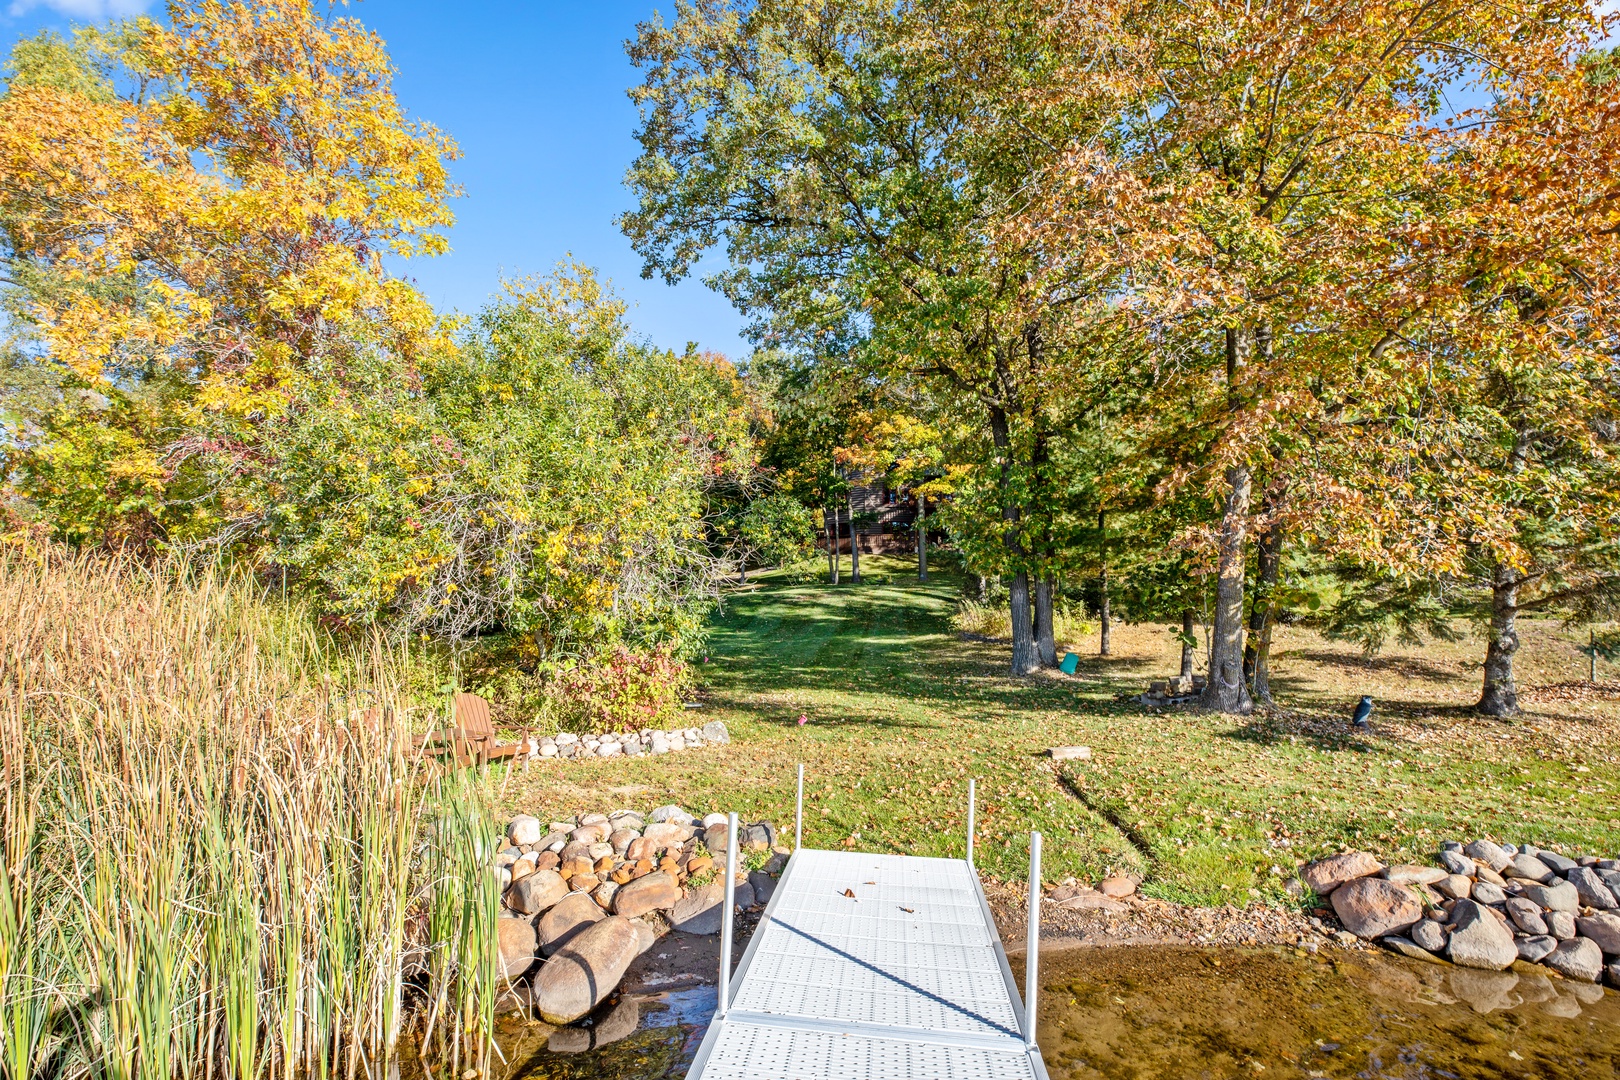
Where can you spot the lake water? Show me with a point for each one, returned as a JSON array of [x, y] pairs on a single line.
[[1169, 1013]]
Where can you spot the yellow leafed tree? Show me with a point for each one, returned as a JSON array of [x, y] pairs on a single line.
[[198, 226]]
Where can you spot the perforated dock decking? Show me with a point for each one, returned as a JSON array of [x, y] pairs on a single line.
[[907, 980]]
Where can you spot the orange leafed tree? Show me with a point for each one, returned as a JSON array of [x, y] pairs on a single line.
[[1329, 203]]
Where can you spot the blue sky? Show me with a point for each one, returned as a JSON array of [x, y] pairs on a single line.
[[534, 92]]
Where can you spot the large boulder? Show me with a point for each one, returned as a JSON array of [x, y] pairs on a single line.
[[1479, 940], [1557, 896], [1326, 875], [1602, 928], [1428, 934], [523, 829], [1528, 868], [760, 836], [717, 838], [1457, 863], [1486, 853], [581, 975], [536, 893], [515, 940], [1455, 886], [715, 732], [699, 911], [1578, 959], [652, 892], [572, 914], [1526, 916], [1559, 864], [1591, 889], [1537, 948], [664, 834], [1373, 908], [671, 813]]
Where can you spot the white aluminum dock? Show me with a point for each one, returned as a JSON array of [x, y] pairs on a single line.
[[906, 979]]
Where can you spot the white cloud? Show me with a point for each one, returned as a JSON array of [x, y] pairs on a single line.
[[86, 10]]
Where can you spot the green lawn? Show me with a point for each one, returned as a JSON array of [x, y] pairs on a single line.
[[900, 713]]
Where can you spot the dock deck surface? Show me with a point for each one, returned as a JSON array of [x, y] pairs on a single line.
[[904, 979]]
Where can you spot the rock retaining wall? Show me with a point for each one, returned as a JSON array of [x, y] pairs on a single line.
[[1483, 905], [583, 898], [630, 743]]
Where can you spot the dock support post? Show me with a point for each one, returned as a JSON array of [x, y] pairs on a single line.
[[970, 821], [798, 813], [725, 916], [1032, 941]]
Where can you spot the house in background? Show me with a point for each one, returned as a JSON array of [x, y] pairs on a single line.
[[884, 519]]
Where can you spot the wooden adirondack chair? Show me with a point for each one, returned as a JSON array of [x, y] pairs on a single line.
[[472, 739]]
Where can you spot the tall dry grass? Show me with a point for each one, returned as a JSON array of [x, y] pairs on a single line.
[[1070, 623], [218, 859]]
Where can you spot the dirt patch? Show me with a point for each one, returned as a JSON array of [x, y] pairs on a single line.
[[676, 959], [1146, 922]]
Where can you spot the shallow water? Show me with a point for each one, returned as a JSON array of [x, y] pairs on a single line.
[[1139, 1013], [1128, 1013], [634, 1037]]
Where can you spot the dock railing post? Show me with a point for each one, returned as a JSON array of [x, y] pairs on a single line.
[[798, 813], [970, 822], [1032, 941], [725, 916]]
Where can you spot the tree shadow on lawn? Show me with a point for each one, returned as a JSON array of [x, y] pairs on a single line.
[[1400, 667]]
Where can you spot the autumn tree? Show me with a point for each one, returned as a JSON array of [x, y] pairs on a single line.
[[1506, 445], [196, 217], [835, 154]]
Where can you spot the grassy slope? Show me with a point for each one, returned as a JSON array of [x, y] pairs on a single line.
[[900, 713]]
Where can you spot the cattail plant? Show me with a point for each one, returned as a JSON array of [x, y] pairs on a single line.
[[221, 858]]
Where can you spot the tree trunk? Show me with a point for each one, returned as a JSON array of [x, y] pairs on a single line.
[[1102, 583], [829, 525], [922, 538], [1188, 642], [1024, 659], [984, 589], [854, 544], [1500, 697], [1226, 691], [1045, 642], [1256, 669]]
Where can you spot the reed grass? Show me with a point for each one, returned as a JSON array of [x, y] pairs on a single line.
[[220, 859]]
